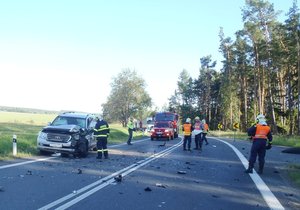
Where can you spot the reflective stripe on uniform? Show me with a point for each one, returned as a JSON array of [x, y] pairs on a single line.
[[102, 150]]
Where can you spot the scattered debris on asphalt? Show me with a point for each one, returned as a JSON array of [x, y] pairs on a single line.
[[160, 185], [215, 196], [148, 189], [79, 171], [29, 172], [289, 194], [181, 172], [162, 145], [118, 178], [276, 172]]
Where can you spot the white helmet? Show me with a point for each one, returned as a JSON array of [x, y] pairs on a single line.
[[188, 120], [261, 119], [203, 121], [197, 118]]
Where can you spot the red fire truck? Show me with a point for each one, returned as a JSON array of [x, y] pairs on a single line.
[[170, 117]]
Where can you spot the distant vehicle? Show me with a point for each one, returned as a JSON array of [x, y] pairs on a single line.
[[169, 117], [69, 133], [163, 129], [150, 124]]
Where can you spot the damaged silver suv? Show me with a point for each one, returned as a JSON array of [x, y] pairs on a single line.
[[69, 133]]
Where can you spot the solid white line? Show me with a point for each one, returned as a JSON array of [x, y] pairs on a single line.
[[108, 180], [26, 162], [268, 196]]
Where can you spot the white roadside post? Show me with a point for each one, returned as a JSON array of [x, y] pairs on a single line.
[[14, 145]]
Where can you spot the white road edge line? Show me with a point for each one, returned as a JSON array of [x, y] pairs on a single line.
[[98, 185], [24, 163], [268, 196]]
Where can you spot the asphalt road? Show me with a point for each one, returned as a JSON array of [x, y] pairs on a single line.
[[153, 176]]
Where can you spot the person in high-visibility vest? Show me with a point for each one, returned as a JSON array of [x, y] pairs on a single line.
[[101, 132], [205, 129], [262, 140], [130, 127], [187, 132]]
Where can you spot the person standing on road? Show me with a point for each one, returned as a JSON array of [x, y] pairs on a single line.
[[187, 132], [205, 130], [197, 131], [130, 127], [262, 140], [101, 132]]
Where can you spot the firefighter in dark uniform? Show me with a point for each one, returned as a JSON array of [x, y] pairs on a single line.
[[101, 132], [262, 140], [187, 132]]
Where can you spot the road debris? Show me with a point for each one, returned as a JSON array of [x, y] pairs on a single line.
[[215, 196], [79, 171], [29, 172], [148, 189], [160, 185], [181, 172], [118, 178]]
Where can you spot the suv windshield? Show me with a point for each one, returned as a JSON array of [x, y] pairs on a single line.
[[61, 120]]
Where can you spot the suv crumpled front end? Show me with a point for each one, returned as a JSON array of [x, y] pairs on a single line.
[[62, 138]]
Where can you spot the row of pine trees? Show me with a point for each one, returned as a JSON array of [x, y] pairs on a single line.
[[260, 74]]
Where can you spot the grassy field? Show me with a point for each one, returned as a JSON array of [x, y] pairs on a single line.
[[27, 126]]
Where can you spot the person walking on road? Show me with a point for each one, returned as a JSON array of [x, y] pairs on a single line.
[[197, 131], [205, 130], [130, 127], [187, 132], [262, 140], [101, 132]]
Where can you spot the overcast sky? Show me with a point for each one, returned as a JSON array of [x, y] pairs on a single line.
[[62, 54]]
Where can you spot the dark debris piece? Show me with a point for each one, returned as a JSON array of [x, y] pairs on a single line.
[[118, 178], [215, 196], [79, 171], [29, 172], [148, 189]]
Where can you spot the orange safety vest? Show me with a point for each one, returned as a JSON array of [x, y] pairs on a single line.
[[262, 131], [205, 128], [187, 129]]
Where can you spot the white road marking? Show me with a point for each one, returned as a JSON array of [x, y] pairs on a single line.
[[98, 185], [26, 162], [268, 196]]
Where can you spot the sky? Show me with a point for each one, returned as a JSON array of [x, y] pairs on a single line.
[[63, 54]]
